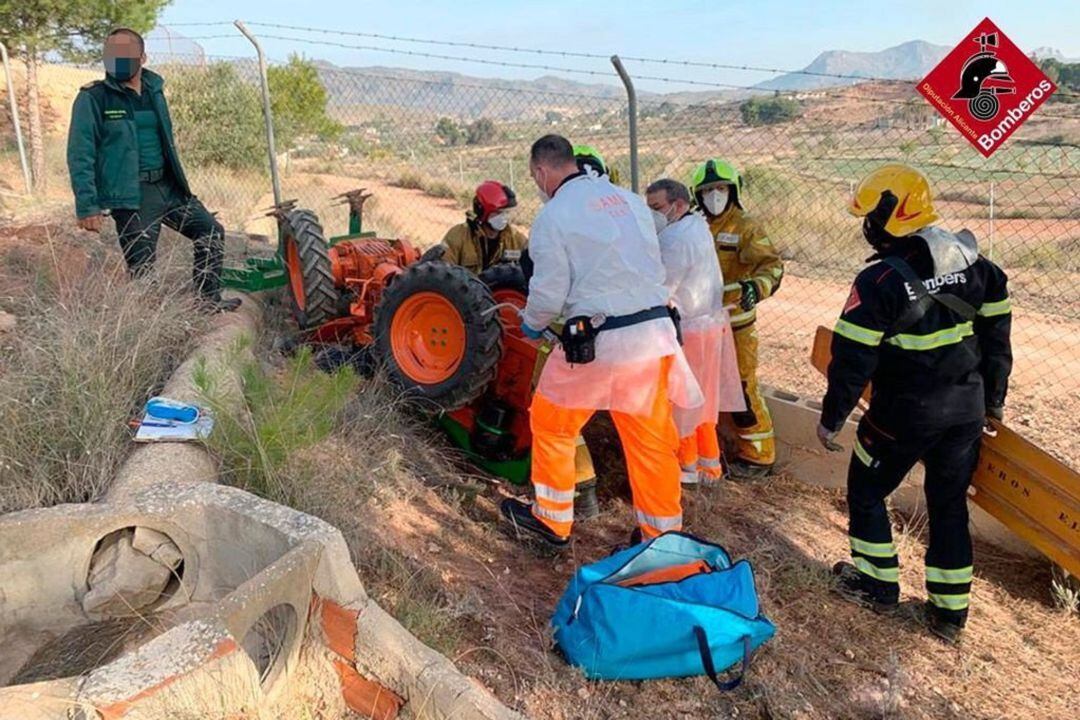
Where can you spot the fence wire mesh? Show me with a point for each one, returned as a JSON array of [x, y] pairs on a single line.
[[422, 142]]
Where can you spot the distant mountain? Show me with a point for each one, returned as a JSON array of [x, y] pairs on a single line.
[[454, 94], [1049, 53], [909, 61]]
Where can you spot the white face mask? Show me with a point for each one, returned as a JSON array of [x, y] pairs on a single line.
[[716, 200], [660, 220], [499, 221], [544, 197]]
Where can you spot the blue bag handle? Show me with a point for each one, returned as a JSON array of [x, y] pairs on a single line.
[[710, 668]]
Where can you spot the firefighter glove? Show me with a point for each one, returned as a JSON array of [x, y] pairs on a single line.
[[750, 295]]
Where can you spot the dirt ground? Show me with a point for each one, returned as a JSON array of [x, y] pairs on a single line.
[[1021, 656], [828, 660], [392, 211]]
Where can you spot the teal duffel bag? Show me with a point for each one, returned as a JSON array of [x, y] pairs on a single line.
[[675, 606]]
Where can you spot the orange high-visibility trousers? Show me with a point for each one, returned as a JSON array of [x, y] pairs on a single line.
[[700, 456], [649, 441]]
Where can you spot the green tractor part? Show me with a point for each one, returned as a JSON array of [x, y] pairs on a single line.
[[258, 274], [514, 471]]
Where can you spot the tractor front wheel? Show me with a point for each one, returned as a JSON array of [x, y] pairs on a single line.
[[307, 264], [437, 334]]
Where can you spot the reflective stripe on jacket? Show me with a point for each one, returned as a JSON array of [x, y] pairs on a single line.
[[943, 369]]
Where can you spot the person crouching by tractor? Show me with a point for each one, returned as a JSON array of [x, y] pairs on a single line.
[[752, 270], [486, 237], [597, 263], [696, 285], [929, 323], [122, 158]]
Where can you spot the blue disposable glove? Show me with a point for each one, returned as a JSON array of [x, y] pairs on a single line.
[[529, 332]]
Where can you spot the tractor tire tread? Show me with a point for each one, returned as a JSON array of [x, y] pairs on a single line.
[[483, 333], [320, 289]]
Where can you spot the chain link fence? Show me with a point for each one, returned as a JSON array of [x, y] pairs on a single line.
[[421, 143]]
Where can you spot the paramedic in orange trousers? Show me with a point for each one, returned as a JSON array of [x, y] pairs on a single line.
[[597, 264]]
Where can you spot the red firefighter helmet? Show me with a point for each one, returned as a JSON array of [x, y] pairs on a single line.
[[491, 197]]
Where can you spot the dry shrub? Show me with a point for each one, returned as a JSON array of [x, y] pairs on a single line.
[[381, 455], [90, 347], [345, 450]]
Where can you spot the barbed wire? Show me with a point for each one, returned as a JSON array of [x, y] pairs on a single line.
[[599, 56], [1062, 92], [575, 53], [206, 23], [836, 91]]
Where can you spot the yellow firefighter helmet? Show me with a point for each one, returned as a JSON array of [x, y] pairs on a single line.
[[895, 197]]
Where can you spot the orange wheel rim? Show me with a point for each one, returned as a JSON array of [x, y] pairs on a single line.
[[427, 338], [296, 273], [509, 316]]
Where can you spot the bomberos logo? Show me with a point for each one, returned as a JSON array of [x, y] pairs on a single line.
[[986, 91]]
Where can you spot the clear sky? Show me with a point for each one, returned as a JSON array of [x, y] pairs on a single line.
[[767, 33]]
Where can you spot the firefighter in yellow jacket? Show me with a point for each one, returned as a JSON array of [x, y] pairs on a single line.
[[486, 237], [752, 271]]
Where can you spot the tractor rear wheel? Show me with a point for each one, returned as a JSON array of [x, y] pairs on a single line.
[[508, 286], [437, 335], [307, 264]]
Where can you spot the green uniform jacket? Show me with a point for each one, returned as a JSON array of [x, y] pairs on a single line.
[[103, 145]]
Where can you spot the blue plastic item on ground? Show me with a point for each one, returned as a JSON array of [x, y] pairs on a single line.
[[701, 624], [168, 409]]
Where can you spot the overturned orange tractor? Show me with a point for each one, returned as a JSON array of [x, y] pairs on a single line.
[[448, 338]]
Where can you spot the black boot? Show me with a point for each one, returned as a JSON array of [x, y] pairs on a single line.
[[586, 506], [742, 470], [863, 590], [946, 624], [527, 528], [636, 538]]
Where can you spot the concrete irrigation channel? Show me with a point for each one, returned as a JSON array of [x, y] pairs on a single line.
[[179, 597]]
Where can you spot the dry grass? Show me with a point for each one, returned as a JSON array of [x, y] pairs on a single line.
[[425, 538], [90, 347], [345, 450]]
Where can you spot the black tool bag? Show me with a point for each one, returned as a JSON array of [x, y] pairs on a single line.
[[579, 333]]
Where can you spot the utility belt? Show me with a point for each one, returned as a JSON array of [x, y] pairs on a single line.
[[151, 176], [578, 336]]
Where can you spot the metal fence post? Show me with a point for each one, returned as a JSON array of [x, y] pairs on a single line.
[[631, 104], [991, 254], [268, 115], [15, 119]]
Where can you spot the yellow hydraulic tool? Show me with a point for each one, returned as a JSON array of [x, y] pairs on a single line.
[[1027, 490]]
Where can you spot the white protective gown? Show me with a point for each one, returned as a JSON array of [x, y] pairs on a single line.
[[595, 251], [696, 284]]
